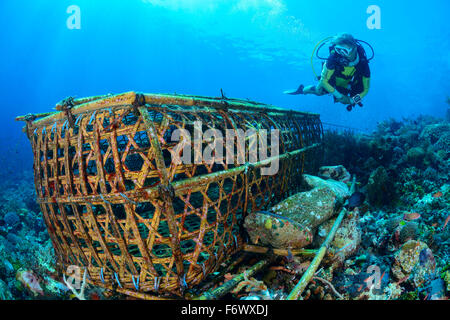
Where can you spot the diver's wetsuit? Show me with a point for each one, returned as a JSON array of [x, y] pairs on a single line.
[[348, 78]]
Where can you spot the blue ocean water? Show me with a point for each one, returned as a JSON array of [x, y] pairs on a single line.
[[251, 48]]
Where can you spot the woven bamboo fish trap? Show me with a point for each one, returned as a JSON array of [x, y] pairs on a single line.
[[116, 205]]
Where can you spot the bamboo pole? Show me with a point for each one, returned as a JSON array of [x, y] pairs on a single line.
[[193, 184], [169, 211], [36, 116], [127, 99], [58, 107], [228, 269], [181, 187], [229, 285], [279, 252], [309, 274]]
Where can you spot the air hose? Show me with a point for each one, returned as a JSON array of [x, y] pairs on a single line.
[[316, 48]]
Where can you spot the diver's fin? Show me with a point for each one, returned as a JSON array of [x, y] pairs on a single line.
[[295, 92]]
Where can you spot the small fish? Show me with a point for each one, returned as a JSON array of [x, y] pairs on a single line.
[[438, 194], [410, 216], [402, 280], [290, 256], [277, 216], [95, 296], [381, 279], [446, 222], [356, 200]]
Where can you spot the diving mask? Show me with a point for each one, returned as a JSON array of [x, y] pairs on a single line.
[[343, 51]]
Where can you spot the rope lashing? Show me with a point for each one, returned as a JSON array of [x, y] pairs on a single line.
[[128, 199], [66, 105], [223, 100], [183, 281], [203, 267], [53, 128], [166, 192], [29, 118], [92, 117], [103, 198], [223, 94], [235, 240], [135, 282], [64, 126], [249, 168], [101, 275], [138, 102], [78, 119], [117, 279], [157, 281]]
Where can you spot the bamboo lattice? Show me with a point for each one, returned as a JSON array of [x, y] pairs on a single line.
[[117, 206]]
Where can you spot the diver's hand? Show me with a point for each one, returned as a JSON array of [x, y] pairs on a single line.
[[346, 100], [340, 97], [337, 95]]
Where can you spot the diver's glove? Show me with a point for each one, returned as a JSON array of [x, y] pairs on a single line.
[[339, 97]]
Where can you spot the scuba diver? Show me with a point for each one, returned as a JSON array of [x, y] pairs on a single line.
[[345, 74]]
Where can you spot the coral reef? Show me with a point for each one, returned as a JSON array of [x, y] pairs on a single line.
[[346, 241], [405, 232], [405, 160], [29, 280], [414, 261], [27, 262], [379, 187], [395, 245], [338, 173]]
